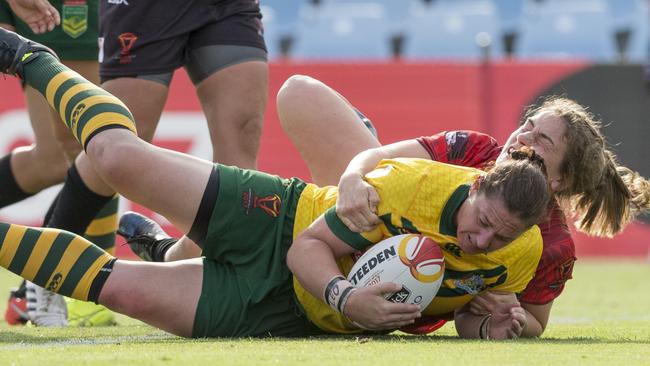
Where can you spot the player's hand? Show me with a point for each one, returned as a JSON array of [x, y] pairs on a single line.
[[368, 308], [357, 203], [491, 302], [39, 15], [508, 324]]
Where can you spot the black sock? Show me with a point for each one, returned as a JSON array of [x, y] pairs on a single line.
[[50, 210], [160, 248], [76, 206], [10, 192]]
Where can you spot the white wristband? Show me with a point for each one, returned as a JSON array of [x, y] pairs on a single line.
[[337, 291]]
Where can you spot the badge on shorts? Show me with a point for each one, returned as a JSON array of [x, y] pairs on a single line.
[[75, 17]]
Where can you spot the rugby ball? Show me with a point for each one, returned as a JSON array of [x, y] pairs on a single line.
[[414, 261]]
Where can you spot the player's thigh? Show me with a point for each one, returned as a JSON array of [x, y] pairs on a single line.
[[325, 128], [233, 304], [144, 98], [165, 181], [164, 295], [234, 100]]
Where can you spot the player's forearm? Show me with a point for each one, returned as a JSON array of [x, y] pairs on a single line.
[[468, 325], [364, 162], [367, 160], [533, 328], [537, 316], [313, 263]]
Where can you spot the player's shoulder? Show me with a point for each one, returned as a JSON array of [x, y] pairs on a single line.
[[462, 147]]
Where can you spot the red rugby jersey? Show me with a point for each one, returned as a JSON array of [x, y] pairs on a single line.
[[478, 150]]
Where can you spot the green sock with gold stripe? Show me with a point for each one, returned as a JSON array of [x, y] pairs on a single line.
[[101, 230], [56, 260], [83, 106]]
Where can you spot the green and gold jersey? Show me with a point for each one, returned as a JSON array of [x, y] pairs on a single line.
[[420, 196]]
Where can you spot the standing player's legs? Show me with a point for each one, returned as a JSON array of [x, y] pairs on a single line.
[[227, 64], [325, 128], [233, 100]]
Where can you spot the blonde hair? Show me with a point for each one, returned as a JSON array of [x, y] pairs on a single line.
[[604, 196]]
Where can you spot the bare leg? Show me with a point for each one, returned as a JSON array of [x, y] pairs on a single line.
[[144, 98], [140, 172], [164, 295], [233, 100], [41, 164], [323, 126]]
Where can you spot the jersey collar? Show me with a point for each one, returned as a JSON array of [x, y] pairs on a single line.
[[447, 225]]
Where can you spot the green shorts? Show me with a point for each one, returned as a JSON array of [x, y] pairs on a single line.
[[247, 286], [74, 39]]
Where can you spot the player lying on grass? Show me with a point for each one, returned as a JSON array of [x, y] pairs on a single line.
[[255, 230], [584, 175]]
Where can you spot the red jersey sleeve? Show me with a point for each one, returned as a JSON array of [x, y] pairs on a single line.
[[466, 148], [556, 264]]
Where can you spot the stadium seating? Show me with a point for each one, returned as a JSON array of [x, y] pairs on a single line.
[[569, 28], [450, 29], [345, 30], [630, 24], [596, 30], [280, 19]]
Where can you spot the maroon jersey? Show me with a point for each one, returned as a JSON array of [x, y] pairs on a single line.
[[478, 150]]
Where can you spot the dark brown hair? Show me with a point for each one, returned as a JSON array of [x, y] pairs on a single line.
[[521, 183]]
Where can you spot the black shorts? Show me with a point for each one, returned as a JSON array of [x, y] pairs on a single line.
[[157, 36]]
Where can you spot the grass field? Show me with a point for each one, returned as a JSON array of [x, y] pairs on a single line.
[[603, 318]]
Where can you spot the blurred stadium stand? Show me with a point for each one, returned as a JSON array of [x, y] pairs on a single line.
[[607, 31], [565, 29], [343, 30], [451, 29]]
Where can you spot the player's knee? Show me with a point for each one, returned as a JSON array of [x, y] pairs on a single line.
[[251, 129], [111, 157], [295, 91]]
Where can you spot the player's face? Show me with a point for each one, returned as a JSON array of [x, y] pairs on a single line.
[[484, 224], [544, 133]]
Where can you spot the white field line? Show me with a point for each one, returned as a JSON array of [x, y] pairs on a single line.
[[87, 341]]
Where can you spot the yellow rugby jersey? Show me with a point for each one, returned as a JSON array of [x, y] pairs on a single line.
[[420, 196]]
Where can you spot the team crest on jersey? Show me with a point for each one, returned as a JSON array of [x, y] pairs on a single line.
[[472, 284], [270, 204], [127, 40], [75, 18]]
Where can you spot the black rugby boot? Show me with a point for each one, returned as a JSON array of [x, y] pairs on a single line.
[[16, 51], [145, 237]]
